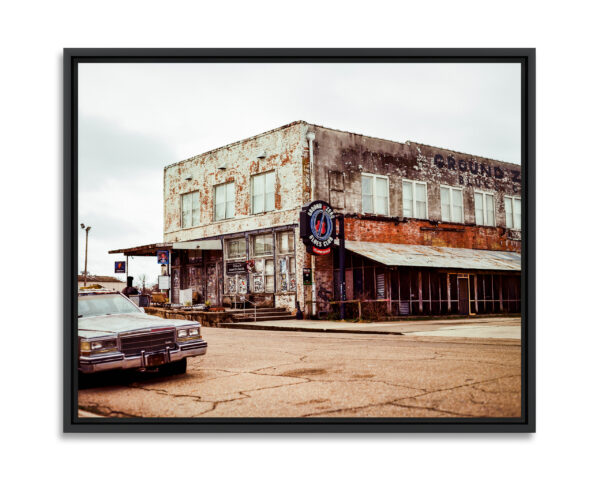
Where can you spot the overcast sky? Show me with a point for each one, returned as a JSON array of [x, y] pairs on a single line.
[[134, 119]]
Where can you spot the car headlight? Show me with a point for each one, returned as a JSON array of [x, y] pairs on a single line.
[[97, 346], [184, 334]]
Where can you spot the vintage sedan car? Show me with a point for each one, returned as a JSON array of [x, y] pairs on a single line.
[[114, 333]]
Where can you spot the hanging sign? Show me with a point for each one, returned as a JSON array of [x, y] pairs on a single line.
[[317, 227], [120, 266]]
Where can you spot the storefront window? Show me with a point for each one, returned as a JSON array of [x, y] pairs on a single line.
[[236, 248], [286, 262], [261, 264], [235, 267]]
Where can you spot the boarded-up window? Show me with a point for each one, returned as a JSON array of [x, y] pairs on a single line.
[[380, 286], [336, 189]]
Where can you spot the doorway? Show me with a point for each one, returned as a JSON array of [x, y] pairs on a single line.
[[463, 295]]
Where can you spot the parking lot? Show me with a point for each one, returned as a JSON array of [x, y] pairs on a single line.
[[257, 373]]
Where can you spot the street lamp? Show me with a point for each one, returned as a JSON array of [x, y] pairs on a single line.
[[87, 231]]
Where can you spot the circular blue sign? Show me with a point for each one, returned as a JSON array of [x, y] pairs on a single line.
[[321, 225]]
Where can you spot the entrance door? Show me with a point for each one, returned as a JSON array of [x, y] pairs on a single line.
[[463, 296], [175, 285], [211, 283]]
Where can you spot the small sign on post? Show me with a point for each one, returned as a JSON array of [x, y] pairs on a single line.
[[120, 266], [307, 276], [164, 282]]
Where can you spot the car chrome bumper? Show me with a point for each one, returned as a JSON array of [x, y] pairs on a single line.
[[111, 361]]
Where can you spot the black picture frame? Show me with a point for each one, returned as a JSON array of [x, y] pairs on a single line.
[[524, 56]]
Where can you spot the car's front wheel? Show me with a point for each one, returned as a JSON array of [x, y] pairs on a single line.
[[175, 368]]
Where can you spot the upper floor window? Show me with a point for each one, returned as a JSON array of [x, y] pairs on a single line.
[[375, 194], [224, 201], [452, 204], [263, 192], [513, 212], [484, 209], [414, 199], [190, 210]]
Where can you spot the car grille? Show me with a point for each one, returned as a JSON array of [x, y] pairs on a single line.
[[149, 342]]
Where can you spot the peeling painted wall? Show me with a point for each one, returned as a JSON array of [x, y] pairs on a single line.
[[342, 157], [284, 150]]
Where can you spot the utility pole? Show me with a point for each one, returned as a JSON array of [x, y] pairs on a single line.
[[87, 231]]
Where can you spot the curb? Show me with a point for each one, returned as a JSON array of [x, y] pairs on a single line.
[[303, 329]]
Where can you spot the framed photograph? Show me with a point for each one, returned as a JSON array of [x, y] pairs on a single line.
[[378, 203]]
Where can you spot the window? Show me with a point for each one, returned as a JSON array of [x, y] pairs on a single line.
[[263, 275], [262, 245], [286, 262], [236, 248], [235, 274], [484, 209], [224, 201], [375, 194], [190, 210], [452, 204], [513, 212], [414, 199], [263, 192]]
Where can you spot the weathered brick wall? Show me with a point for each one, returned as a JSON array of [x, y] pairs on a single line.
[[324, 280], [424, 232], [342, 157]]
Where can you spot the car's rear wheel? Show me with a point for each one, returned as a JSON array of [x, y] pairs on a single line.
[[175, 368]]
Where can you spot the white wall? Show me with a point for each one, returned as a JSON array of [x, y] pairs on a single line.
[[565, 446]]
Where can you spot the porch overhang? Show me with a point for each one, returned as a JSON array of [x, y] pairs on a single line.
[[402, 255], [143, 250]]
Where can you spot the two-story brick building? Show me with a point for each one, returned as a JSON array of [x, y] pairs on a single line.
[[428, 230]]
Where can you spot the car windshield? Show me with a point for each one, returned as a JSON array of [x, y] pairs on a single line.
[[91, 305]]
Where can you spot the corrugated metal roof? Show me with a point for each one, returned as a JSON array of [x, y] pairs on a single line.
[[393, 254], [143, 250]]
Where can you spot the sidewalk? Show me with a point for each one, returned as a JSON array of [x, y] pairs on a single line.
[[497, 327]]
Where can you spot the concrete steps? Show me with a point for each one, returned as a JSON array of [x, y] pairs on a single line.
[[262, 314]]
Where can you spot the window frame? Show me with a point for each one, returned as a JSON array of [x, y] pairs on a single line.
[[512, 198], [485, 194], [231, 240], [223, 185], [414, 198], [373, 195], [290, 255], [264, 194], [181, 200], [462, 196]]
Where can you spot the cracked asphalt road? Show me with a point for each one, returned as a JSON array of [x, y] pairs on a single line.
[[250, 373]]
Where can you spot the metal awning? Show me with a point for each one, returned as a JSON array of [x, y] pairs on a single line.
[[393, 254], [151, 249], [143, 250]]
